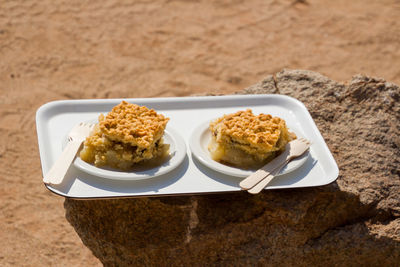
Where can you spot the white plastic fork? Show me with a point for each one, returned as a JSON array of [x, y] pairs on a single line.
[[76, 137], [264, 175]]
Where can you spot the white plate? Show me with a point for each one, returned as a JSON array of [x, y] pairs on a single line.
[[199, 141], [177, 151]]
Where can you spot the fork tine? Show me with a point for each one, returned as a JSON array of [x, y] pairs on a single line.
[[76, 127], [305, 141]]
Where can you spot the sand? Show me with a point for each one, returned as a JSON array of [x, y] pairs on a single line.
[[75, 49]]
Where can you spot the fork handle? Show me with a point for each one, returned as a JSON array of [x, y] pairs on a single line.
[[261, 185], [264, 171], [57, 172]]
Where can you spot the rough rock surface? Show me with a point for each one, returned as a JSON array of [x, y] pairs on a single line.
[[353, 221]]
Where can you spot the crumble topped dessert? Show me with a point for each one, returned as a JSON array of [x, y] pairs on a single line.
[[245, 140], [127, 135]]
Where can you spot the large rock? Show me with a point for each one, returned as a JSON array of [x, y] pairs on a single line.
[[353, 221]]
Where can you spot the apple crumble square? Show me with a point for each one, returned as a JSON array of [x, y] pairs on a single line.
[[246, 140], [127, 135]]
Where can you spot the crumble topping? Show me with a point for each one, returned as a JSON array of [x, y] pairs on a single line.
[[262, 131], [127, 135], [245, 139], [133, 124]]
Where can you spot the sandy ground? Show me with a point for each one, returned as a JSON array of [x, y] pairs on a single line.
[[108, 49]]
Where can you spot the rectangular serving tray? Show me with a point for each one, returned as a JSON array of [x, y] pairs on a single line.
[[55, 119]]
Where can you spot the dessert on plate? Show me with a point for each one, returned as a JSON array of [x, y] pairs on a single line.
[[129, 134], [245, 140]]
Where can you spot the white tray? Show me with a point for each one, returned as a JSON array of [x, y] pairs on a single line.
[[55, 119]]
